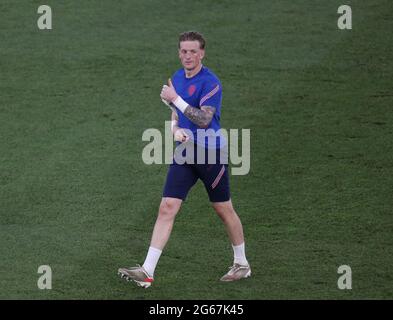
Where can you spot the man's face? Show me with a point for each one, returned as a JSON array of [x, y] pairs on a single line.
[[190, 54]]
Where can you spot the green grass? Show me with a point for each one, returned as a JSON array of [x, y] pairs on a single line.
[[75, 194]]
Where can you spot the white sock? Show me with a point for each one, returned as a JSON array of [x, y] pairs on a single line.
[[153, 255], [239, 254]]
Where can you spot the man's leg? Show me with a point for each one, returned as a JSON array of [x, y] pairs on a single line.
[[216, 180], [231, 220], [241, 268], [167, 211], [180, 179]]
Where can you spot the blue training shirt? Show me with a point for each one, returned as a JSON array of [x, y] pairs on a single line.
[[203, 89]]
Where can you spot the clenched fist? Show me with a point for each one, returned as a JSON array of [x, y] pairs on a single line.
[[180, 135], [168, 92]]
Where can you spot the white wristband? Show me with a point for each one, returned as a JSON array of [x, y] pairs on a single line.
[[180, 104]]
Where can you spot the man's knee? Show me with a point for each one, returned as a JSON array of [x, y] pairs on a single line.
[[169, 207], [224, 210]]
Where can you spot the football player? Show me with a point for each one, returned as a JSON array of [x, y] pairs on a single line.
[[194, 94]]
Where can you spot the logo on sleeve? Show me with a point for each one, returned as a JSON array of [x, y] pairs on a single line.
[[191, 90]]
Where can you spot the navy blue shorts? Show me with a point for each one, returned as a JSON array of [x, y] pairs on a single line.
[[181, 176]]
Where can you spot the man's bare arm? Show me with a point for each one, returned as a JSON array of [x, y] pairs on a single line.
[[174, 116], [175, 121], [178, 133], [201, 117]]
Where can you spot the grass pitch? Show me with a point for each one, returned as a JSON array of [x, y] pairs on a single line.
[[75, 194]]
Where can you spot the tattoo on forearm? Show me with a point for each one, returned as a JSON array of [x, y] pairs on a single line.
[[201, 117]]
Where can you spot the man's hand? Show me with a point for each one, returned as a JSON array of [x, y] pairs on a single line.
[[168, 92], [180, 135]]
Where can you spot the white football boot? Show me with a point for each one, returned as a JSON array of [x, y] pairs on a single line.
[[237, 272], [137, 274]]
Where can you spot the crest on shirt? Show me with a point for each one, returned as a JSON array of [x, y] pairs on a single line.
[[191, 90]]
